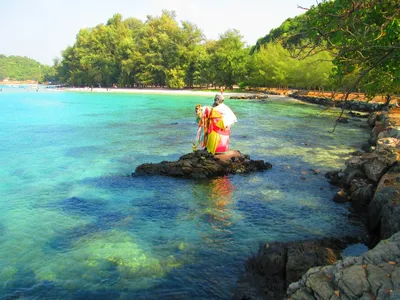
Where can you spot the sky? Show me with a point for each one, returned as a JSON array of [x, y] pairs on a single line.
[[41, 29]]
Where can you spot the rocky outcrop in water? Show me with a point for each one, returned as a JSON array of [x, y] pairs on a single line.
[[269, 273], [201, 164], [373, 275]]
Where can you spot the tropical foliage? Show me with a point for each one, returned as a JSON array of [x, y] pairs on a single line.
[[337, 44], [19, 68], [272, 66], [162, 52], [363, 38]]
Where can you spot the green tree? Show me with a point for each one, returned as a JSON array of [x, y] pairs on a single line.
[[230, 58], [191, 52], [273, 66], [363, 37], [19, 68], [176, 78]]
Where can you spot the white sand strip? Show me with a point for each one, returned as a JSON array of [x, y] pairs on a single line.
[[156, 91]]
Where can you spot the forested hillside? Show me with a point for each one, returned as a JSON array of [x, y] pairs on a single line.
[[19, 68]]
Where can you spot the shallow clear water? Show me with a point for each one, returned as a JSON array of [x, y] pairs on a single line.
[[74, 225]]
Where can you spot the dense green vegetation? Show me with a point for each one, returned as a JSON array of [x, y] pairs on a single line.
[[19, 68], [157, 52], [162, 52], [363, 38], [272, 66], [337, 44]]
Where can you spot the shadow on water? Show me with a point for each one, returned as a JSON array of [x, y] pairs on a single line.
[[111, 182], [65, 240], [83, 151], [77, 205], [49, 290], [25, 284], [104, 220], [158, 207]]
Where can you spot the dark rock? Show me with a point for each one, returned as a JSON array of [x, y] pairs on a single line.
[[269, 273], [335, 177], [373, 275], [361, 192], [256, 97], [384, 209], [374, 165], [367, 148], [341, 196], [351, 174], [357, 115], [349, 104], [201, 164]]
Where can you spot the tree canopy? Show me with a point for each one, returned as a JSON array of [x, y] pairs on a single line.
[[363, 38], [162, 52], [336, 44], [157, 52], [19, 68]]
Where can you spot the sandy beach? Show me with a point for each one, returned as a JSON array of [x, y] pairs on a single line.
[[156, 91]]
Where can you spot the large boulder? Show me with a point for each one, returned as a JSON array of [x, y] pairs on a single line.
[[361, 193], [269, 273], [200, 164], [374, 164], [384, 209], [378, 116], [390, 146], [373, 275]]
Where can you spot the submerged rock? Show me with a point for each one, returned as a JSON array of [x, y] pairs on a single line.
[[201, 164]]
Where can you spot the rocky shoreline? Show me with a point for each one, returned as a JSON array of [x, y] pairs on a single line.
[[250, 97], [356, 105], [314, 269]]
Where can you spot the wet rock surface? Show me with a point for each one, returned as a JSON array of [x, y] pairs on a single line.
[[373, 275], [270, 272], [201, 165]]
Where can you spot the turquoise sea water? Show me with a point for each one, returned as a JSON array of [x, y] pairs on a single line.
[[75, 225]]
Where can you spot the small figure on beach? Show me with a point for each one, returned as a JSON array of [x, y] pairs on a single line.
[[214, 125]]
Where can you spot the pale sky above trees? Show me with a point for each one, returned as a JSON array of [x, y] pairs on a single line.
[[41, 29]]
